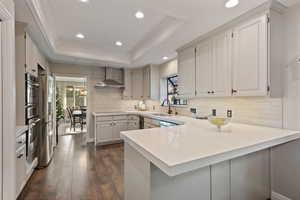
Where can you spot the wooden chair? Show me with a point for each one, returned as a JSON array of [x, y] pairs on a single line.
[[74, 119]]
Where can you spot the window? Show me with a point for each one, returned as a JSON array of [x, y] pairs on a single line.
[[172, 91]]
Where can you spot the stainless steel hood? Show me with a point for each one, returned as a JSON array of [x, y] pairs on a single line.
[[113, 78]]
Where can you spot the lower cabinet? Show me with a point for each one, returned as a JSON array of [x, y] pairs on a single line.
[[104, 132], [133, 125], [108, 128], [119, 127], [20, 168]]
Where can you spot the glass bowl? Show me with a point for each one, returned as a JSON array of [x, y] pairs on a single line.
[[219, 121]]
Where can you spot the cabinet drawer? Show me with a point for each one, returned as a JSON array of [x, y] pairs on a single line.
[[120, 117], [133, 118], [20, 168], [104, 118], [20, 141]]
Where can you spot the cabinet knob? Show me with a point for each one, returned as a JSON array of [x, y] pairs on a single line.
[[208, 92], [212, 92]]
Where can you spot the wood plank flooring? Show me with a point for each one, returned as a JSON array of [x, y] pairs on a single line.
[[79, 173]]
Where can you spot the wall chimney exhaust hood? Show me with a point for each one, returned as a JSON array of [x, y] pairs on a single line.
[[113, 78]]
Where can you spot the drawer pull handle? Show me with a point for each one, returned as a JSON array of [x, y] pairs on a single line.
[[20, 156]]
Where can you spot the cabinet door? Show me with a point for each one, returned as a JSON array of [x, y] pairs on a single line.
[[133, 125], [31, 65], [186, 72], [137, 84], [29, 53], [250, 177], [127, 93], [104, 132], [147, 82], [221, 70], [204, 69], [20, 169], [250, 58], [118, 127]]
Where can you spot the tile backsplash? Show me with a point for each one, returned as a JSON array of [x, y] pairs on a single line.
[[253, 110]]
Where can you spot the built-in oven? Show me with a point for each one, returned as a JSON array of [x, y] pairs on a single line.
[[32, 116], [32, 92], [31, 140]]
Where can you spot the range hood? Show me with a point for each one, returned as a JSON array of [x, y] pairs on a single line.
[[113, 78]]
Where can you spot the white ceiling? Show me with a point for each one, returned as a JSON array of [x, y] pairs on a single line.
[[168, 24]]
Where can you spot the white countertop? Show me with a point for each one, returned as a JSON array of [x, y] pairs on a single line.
[[197, 143], [20, 130]]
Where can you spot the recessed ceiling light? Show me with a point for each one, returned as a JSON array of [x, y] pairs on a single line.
[[80, 36], [139, 15], [84, 1], [231, 3], [118, 43], [165, 58]]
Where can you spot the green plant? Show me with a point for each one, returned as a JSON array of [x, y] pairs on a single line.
[[59, 106]]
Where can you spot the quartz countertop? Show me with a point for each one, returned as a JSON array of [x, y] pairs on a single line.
[[21, 130], [197, 143]]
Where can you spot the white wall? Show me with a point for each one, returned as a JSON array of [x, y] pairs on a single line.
[[99, 99]]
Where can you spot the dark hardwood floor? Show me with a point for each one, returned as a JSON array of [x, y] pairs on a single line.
[[79, 173]]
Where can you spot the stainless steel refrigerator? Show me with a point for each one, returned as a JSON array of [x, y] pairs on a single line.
[[47, 131]]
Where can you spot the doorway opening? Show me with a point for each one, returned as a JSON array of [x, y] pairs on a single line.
[[71, 105]]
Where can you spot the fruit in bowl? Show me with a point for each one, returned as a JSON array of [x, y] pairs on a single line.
[[219, 121]]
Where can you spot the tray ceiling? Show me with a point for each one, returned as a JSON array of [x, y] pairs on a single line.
[[168, 24]]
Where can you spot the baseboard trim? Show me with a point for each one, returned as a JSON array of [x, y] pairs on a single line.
[[277, 196]]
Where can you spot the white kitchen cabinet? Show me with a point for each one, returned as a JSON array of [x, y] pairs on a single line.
[[137, 84], [220, 181], [108, 128], [242, 58], [104, 131], [31, 52], [133, 125], [250, 177], [213, 73], [186, 70], [151, 82], [221, 70], [118, 127], [127, 92], [20, 168], [250, 58], [204, 69]]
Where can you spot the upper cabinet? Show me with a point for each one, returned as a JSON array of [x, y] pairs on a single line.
[[137, 84], [31, 58], [141, 83], [250, 58], [221, 70], [242, 58], [204, 69], [186, 71], [213, 75], [127, 92]]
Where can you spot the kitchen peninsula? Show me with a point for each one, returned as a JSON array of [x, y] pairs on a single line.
[[194, 161]]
